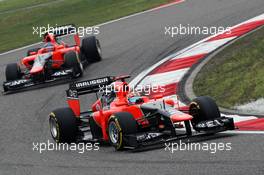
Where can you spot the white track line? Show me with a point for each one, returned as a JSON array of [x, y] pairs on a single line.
[[244, 132], [238, 118], [102, 24]]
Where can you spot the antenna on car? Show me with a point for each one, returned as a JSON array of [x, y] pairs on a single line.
[[164, 106]]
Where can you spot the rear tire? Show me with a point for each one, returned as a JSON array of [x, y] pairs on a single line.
[[63, 125], [121, 124], [71, 60], [202, 109], [95, 129], [12, 72], [91, 49]]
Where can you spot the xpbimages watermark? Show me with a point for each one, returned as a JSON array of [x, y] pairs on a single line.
[[173, 31], [82, 31], [139, 89], [81, 148], [209, 147]]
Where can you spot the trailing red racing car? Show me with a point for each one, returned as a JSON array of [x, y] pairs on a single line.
[[125, 119], [60, 57]]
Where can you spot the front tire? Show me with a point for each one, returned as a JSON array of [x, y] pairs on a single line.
[[63, 125], [202, 109], [91, 49], [121, 124], [12, 72]]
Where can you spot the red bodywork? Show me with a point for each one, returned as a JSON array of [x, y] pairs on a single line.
[[101, 113], [57, 50]]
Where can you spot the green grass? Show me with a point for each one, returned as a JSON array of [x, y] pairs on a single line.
[[7, 5], [236, 75], [16, 28]]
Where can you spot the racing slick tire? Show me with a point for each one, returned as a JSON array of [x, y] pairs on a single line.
[[119, 125], [32, 50], [12, 72], [188, 128], [71, 60], [63, 125], [95, 129], [203, 108], [91, 49]]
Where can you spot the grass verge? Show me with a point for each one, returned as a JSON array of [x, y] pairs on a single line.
[[235, 76], [16, 27]]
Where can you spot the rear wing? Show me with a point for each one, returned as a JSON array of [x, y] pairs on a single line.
[[62, 30], [88, 86]]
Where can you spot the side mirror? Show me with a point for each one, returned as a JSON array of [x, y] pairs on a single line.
[[32, 53]]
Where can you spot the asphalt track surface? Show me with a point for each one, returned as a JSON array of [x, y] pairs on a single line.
[[129, 46]]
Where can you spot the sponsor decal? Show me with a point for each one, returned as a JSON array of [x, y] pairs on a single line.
[[148, 136], [73, 93], [16, 82], [91, 82], [61, 73]]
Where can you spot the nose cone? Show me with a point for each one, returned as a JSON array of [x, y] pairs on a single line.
[[180, 117], [36, 69]]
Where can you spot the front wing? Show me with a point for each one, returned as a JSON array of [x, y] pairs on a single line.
[[201, 129], [12, 86]]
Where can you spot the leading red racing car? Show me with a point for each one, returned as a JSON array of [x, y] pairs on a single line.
[[61, 57], [125, 119]]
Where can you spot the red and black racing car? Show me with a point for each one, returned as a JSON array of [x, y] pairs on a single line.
[[61, 57], [125, 119]]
